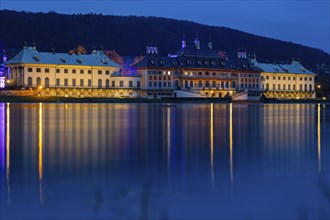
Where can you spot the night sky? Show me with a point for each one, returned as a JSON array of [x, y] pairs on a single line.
[[305, 22]]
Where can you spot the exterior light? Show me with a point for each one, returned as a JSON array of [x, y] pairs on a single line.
[[8, 81], [231, 92], [297, 97], [66, 95], [324, 98], [318, 86], [40, 87]]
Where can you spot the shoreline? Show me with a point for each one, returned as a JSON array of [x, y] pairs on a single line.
[[52, 99]]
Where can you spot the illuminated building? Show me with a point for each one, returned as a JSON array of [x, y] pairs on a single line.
[[193, 71], [196, 71], [61, 74], [286, 80]]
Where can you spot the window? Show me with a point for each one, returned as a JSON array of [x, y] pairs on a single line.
[[89, 71], [294, 87], [65, 82], [234, 84], [58, 71], [65, 70], [138, 84], [121, 83], [73, 71], [207, 84], [29, 70], [289, 78], [99, 83], [289, 87], [89, 82], [164, 84], [168, 84], [107, 72], [227, 84], [191, 84], [30, 82], [155, 84], [310, 87], [267, 77], [107, 83], [284, 87], [155, 77], [160, 78], [81, 82], [130, 83], [267, 86], [273, 77], [47, 70], [159, 84], [186, 73], [99, 72], [46, 82], [305, 78], [305, 87], [38, 81], [150, 77], [300, 87], [57, 82], [279, 86], [150, 84], [294, 78], [310, 79], [200, 73], [300, 78], [73, 82], [279, 78], [113, 83], [38, 70], [284, 78], [273, 86], [81, 71]]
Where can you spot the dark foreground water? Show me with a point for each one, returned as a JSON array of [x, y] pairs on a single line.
[[164, 161]]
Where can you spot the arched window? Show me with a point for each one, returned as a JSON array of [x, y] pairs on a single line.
[[30, 82], [38, 81], [267, 86], [107, 84], [305, 87], [233, 84], [47, 82], [100, 83], [200, 84], [310, 87]]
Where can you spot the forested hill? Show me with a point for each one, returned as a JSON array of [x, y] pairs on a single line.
[[129, 35]]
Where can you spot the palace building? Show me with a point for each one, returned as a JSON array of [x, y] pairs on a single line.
[[193, 71], [286, 80]]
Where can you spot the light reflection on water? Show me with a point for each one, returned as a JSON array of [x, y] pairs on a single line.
[[59, 152]]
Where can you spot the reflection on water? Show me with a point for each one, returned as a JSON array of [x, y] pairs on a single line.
[[54, 153]]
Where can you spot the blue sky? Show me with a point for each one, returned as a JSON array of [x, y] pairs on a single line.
[[305, 22]]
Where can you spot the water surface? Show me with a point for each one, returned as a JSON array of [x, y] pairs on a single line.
[[164, 161]]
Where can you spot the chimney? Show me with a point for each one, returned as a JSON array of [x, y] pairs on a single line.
[[4, 57], [148, 49], [155, 49], [209, 45], [197, 43], [183, 43], [241, 54]]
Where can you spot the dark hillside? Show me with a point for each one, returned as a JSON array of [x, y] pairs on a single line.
[[128, 35]]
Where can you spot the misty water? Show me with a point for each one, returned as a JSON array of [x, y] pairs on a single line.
[[164, 161]]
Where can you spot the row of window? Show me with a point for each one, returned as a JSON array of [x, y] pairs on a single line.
[[249, 80], [209, 74], [249, 86], [160, 84], [288, 87], [81, 83], [159, 77], [153, 72], [73, 71], [208, 84], [289, 78]]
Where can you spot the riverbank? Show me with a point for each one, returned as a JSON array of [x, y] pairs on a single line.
[[51, 99]]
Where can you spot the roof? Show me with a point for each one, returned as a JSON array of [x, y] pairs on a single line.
[[294, 68], [193, 51], [29, 55]]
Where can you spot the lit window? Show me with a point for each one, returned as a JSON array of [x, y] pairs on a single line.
[[186, 73], [168, 72]]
